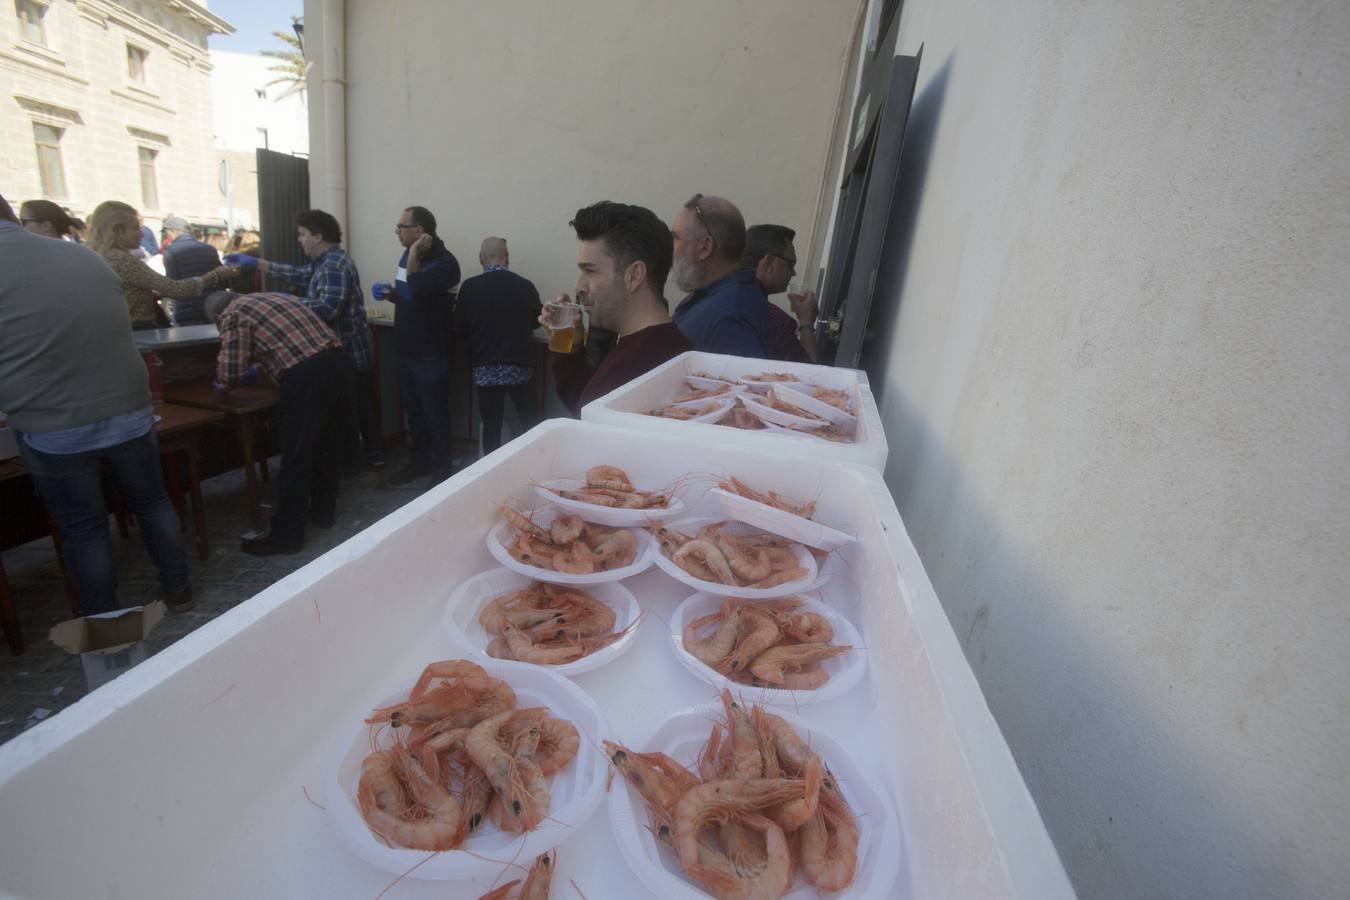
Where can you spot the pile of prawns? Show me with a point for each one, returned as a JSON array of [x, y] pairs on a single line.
[[757, 560], [610, 486], [762, 808], [463, 754], [772, 643], [548, 625], [569, 545]]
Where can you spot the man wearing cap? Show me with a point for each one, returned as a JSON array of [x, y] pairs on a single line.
[[186, 257]]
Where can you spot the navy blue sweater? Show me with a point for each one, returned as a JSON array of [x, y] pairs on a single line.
[[423, 303], [499, 310]]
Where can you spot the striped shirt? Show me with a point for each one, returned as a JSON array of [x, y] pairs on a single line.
[[331, 287], [276, 331]]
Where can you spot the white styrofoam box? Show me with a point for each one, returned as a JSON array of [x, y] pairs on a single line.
[[605, 515], [212, 752], [845, 670], [778, 521], [626, 407], [576, 789], [503, 533], [881, 849], [689, 526], [461, 616]]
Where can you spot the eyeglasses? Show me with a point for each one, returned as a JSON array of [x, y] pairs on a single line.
[[400, 226], [698, 211], [792, 263], [27, 221]]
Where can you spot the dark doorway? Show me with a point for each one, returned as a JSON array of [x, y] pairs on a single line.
[[283, 191]]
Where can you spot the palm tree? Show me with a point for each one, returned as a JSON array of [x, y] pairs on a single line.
[[293, 68]]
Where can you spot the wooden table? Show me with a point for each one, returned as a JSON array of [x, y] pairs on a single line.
[[177, 432], [241, 405]]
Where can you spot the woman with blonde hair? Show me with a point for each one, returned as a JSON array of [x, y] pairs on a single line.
[[45, 218], [115, 231]]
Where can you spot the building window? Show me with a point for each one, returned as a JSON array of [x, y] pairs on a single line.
[[30, 21], [262, 139], [50, 169], [136, 64], [149, 188]]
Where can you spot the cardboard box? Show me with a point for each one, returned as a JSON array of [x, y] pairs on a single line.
[[108, 643]]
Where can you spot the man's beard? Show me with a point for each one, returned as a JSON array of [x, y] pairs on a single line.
[[686, 274]]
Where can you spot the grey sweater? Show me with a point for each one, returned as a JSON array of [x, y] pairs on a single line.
[[66, 354]]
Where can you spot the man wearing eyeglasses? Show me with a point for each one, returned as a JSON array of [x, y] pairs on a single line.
[[726, 311], [423, 298], [770, 254]]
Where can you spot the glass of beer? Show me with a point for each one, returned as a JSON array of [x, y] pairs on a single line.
[[563, 319]]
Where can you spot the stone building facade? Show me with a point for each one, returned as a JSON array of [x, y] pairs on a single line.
[[104, 100]]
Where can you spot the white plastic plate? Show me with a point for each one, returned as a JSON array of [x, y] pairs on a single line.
[[763, 387], [881, 849], [724, 405], [797, 394], [845, 671], [766, 413], [778, 521], [698, 381], [576, 789], [503, 534], [604, 515], [729, 395], [461, 616], [690, 526]]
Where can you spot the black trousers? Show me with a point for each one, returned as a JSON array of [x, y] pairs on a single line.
[[492, 402], [361, 432], [316, 397]]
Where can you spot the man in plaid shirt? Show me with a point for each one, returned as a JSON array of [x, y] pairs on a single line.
[[292, 344], [331, 287]]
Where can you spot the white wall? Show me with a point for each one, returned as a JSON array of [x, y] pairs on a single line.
[[236, 79], [506, 119], [1113, 355]]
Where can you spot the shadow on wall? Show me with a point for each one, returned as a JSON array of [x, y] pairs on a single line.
[[1133, 811], [920, 131]]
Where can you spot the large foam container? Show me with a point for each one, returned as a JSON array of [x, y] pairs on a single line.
[[626, 407], [198, 773]]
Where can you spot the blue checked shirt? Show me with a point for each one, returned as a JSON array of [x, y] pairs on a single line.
[[333, 291]]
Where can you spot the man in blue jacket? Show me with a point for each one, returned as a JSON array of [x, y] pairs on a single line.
[[727, 312], [423, 297]]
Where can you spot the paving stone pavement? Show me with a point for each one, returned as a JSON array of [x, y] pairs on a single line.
[[45, 679]]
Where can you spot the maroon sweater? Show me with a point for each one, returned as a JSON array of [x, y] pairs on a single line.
[[633, 355]]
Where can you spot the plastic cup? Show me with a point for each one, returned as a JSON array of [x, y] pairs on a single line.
[[564, 320]]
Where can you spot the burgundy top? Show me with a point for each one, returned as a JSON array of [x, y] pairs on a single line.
[[633, 355], [783, 342]]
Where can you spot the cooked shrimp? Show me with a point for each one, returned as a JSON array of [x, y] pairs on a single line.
[[565, 529], [771, 498], [785, 576], [747, 562], [746, 760], [475, 794], [778, 665], [514, 781], [559, 741], [719, 645], [768, 878], [702, 558], [758, 633], [609, 477], [429, 823], [829, 845], [540, 877], [716, 800], [669, 539], [740, 417], [523, 523], [806, 627], [659, 779], [616, 551], [579, 560]]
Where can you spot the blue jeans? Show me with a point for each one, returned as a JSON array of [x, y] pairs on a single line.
[[424, 382], [71, 484]]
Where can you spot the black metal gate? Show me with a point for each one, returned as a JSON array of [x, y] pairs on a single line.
[[283, 191]]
